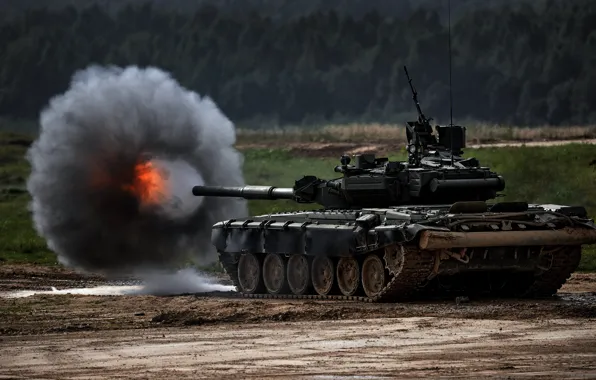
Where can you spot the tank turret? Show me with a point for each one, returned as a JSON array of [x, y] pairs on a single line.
[[378, 182]]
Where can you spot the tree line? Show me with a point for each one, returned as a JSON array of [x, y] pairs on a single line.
[[510, 64]]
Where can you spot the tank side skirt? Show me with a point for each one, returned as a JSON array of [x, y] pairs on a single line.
[[349, 240]]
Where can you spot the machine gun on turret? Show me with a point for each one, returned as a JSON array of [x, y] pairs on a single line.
[[419, 133], [423, 142]]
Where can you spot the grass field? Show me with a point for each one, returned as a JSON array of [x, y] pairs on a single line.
[[558, 174]]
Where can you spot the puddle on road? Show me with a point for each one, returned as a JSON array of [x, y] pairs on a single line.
[[184, 281], [115, 290], [97, 291]]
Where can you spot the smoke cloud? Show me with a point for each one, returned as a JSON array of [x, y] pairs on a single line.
[[113, 169]]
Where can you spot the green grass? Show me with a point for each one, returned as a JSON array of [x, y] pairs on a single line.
[[19, 241], [558, 174]]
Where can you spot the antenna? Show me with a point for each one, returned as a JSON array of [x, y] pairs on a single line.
[[450, 92]]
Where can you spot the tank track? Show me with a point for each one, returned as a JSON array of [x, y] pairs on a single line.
[[558, 264], [412, 269]]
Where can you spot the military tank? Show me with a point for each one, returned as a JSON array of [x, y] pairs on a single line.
[[393, 231]]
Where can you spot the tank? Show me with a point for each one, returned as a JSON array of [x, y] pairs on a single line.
[[390, 231]]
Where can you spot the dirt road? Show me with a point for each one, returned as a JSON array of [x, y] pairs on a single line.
[[222, 336], [417, 347], [534, 143], [331, 149]]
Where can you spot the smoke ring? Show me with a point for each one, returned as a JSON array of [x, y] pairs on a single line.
[[91, 139]]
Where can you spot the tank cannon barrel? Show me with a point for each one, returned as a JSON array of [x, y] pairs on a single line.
[[246, 192]]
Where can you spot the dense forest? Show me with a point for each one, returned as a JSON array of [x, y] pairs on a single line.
[[513, 62], [276, 10]]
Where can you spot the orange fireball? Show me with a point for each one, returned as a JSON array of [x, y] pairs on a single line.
[[148, 185]]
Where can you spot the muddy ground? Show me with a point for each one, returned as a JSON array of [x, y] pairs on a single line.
[[220, 335]]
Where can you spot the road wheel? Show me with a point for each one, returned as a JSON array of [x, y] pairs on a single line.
[[348, 275], [274, 274], [249, 274], [374, 276], [298, 274], [322, 275]]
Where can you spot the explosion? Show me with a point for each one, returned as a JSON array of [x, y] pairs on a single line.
[[113, 170], [148, 184]]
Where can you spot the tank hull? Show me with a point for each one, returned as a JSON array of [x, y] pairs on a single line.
[[405, 253]]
